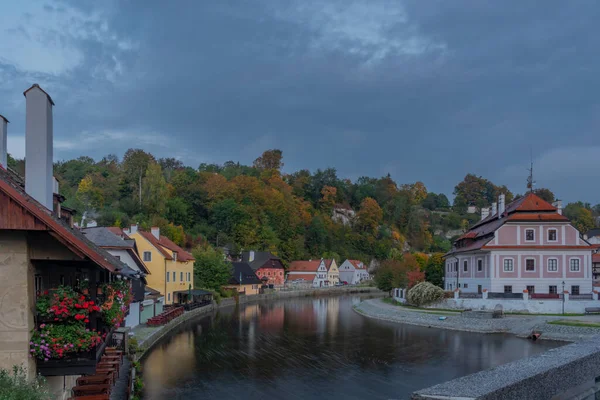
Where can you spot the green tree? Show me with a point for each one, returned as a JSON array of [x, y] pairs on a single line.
[[270, 159], [89, 197], [154, 190], [135, 165], [580, 215], [211, 270], [434, 269], [545, 194]]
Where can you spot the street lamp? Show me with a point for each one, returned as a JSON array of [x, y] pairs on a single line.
[[563, 297]]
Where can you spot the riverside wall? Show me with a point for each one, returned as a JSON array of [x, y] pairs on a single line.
[[149, 341], [564, 373]]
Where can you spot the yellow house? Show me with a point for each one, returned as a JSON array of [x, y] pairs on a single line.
[[171, 267], [333, 272]]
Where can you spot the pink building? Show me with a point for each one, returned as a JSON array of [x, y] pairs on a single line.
[[527, 244]]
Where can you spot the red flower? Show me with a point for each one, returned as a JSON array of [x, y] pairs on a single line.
[[79, 317], [86, 320]]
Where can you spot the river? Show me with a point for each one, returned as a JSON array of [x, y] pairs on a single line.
[[315, 348]]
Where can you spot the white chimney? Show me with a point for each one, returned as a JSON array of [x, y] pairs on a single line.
[[558, 205], [251, 256], [501, 205], [133, 229], [39, 146], [485, 212], [155, 230], [494, 208], [3, 148], [55, 185]]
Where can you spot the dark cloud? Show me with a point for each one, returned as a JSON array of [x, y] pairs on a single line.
[[424, 90]]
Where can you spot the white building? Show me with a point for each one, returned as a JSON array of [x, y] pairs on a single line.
[[353, 272], [314, 271]]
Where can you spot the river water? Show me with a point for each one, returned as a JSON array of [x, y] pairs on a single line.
[[315, 348]]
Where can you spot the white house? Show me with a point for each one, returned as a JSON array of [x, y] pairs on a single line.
[[314, 271], [119, 245], [353, 272]]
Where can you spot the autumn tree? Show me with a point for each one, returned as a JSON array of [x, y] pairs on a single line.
[[580, 215], [419, 192], [89, 196], [545, 194], [270, 159], [478, 191], [328, 200], [369, 216]]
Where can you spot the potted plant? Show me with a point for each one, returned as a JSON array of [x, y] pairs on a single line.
[[84, 286]]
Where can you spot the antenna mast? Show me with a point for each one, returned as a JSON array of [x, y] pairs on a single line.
[[530, 181]]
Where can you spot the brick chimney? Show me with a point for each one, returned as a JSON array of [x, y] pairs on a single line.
[[155, 230], [38, 145], [3, 140]]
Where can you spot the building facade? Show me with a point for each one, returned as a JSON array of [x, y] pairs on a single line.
[[265, 265], [171, 268], [244, 279], [333, 272], [353, 272], [314, 271], [525, 245]]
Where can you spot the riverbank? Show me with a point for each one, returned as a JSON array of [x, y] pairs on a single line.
[[520, 325], [147, 336]]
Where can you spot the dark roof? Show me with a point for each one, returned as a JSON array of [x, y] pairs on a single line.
[[260, 258], [243, 270], [104, 237], [70, 237], [4, 118], [593, 232]]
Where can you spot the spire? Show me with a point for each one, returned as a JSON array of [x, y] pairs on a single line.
[[530, 181]]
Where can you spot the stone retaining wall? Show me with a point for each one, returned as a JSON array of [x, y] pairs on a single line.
[[567, 372], [546, 306], [149, 342]]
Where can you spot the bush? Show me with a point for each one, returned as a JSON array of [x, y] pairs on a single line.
[[424, 293], [15, 386], [133, 346]]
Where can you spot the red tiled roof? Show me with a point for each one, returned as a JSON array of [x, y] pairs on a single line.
[[328, 263], [534, 247], [532, 202], [306, 277], [164, 242], [312, 265], [182, 255], [357, 264], [537, 217], [117, 231]]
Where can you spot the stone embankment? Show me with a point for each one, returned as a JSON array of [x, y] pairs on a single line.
[[515, 324], [147, 336]]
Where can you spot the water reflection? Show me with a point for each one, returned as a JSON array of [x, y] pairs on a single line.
[[315, 349]]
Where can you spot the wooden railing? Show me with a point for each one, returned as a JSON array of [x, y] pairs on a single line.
[[165, 317]]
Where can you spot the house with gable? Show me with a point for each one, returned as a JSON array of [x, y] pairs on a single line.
[[171, 267], [244, 279], [311, 271], [268, 268], [117, 243], [41, 252], [333, 272], [353, 272], [525, 245]]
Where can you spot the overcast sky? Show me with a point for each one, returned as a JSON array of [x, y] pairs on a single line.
[[424, 90]]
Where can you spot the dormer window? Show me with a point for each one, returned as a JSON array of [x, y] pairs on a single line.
[[174, 256], [529, 235]]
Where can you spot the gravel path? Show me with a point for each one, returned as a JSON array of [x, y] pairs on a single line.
[[518, 325]]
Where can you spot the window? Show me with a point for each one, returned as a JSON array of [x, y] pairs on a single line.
[[552, 289], [552, 265], [466, 285], [169, 296], [552, 235], [531, 289], [479, 289], [174, 256], [575, 289], [508, 265], [174, 276], [530, 265], [507, 289], [168, 277], [465, 266], [574, 263], [147, 256], [479, 265], [118, 257], [181, 276], [529, 235]]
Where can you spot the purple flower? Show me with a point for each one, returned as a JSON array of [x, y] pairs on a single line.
[[42, 326], [45, 359], [36, 345], [43, 341], [30, 343], [32, 350]]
